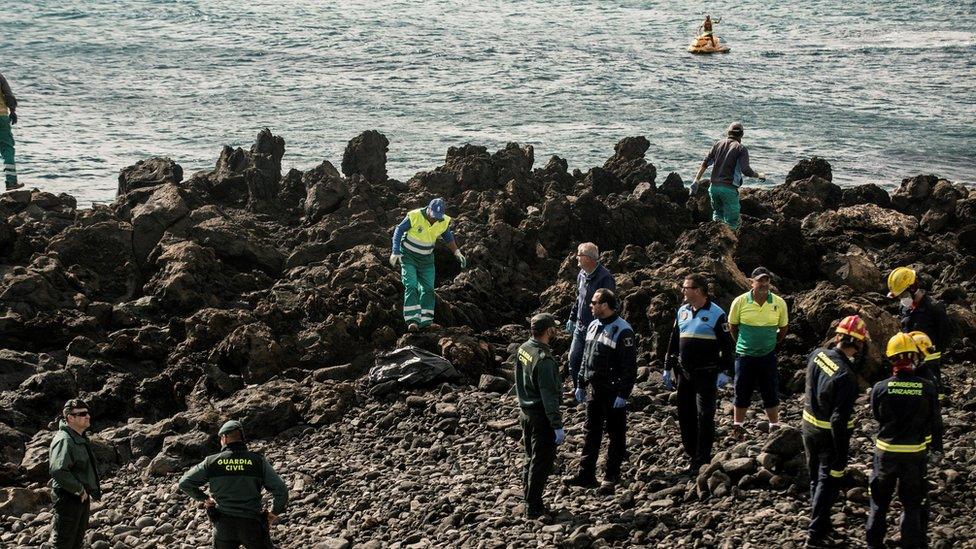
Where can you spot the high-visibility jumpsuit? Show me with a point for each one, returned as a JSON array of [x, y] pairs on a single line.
[[414, 238]]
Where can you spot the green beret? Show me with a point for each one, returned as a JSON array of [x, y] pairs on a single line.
[[230, 427]]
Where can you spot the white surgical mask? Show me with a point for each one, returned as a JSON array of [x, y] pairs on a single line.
[[906, 301]]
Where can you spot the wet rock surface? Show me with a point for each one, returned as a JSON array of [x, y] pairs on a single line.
[[248, 293]]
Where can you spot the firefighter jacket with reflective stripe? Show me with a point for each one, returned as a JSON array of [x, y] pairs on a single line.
[[831, 390], [907, 409]]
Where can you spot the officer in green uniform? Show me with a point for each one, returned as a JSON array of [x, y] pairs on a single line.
[[538, 385], [413, 250], [75, 476], [236, 477]]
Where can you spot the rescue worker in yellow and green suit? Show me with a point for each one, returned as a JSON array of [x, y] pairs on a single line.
[[831, 390], [413, 250], [906, 406]]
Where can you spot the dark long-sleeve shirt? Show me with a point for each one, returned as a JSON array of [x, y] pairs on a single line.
[[537, 381], [236, 477], [610, 356], [8, 103], [586, 286], [928, 316], [730, 161]]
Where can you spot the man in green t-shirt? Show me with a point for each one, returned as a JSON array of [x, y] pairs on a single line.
[[758, 320], [538, 385]]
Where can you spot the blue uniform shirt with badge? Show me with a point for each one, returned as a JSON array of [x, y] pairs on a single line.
[[610, 356], [701, 338]]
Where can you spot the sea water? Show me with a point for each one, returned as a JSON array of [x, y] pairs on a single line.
[[882, 89]]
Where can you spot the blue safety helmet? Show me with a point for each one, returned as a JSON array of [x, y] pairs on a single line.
[[436, 208]]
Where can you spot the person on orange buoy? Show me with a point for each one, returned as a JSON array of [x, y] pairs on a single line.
[[909, 425], [831, 390], [706, 28]]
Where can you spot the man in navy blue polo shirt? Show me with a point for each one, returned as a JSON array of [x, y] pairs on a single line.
[[700, 350]]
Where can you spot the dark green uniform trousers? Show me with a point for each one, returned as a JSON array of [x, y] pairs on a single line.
[[539, 440], [70, 520], [232, 532]]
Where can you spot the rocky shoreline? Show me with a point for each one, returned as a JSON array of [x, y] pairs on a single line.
[[250, 293]]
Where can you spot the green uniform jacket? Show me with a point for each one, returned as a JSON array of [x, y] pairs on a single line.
[[73, 464], [537, 380], [236, 477]]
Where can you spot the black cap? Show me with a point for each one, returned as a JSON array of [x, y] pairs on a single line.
[[542, 321], [74, 404], [761, 271]]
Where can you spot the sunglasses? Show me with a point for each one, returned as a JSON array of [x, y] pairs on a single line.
[[80, 414]]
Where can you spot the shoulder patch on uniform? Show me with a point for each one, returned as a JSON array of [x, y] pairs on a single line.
[[628, 342], [685, 315], [726, 327]]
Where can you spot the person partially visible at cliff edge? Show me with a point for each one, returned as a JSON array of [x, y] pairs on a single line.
[[8, 117]]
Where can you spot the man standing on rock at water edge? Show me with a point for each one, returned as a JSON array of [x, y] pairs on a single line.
[[831, 390], [906, 406], [758, 320], [8, 117], [413, 250], [538, 385], [610, 367], [236, 477], [700, 351], [592, 276], [730, 162], [74, 471]]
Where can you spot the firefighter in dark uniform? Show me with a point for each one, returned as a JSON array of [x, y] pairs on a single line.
[[538, 386], [918, 311], [236, 477], [610, 367], [906, 406], [701, 354], [831, 390], [931, 366]]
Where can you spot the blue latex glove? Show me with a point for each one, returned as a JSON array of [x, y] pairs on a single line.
[[570, 326], [619, 402], [722, 380], [560, 435], [668, 380], [580, 394]]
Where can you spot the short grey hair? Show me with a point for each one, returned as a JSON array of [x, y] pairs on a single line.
[[590, 250]]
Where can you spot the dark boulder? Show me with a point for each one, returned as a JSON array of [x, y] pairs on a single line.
[[365, 154], [149, 173]]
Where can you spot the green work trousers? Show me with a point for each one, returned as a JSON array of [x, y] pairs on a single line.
[[417, 274], [70, 520], [539, 442], [725, 204], [7, 151]]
